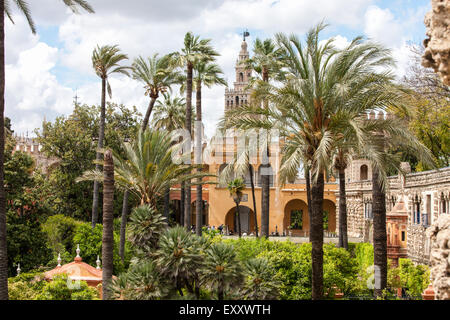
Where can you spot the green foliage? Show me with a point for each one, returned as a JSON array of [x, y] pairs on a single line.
[[413, 278], [70, 140], [60, 231], [90, 241], [259, 281], [26, 286], [145, 228], [221, 269], [26, 244], [63, 289]]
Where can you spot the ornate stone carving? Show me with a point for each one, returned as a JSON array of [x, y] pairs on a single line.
[[439, 234]]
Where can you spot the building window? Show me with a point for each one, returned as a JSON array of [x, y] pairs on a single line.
[[403, 235], [363, 172]]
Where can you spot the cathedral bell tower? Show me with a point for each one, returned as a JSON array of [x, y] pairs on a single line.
[[239, 95]]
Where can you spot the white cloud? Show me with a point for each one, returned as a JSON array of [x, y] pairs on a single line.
[[144, 27]]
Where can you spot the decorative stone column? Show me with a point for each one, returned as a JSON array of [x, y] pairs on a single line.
[[439, 234]]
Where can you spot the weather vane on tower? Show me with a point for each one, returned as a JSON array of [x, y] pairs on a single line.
[[246, 33]]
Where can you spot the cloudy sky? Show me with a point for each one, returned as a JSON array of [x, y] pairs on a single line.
[[44, 71]]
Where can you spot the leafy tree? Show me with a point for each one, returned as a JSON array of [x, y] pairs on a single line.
[[105, 61], [5, 8], [57, 289], [69, 140]]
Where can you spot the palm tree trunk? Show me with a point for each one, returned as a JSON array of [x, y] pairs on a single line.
[[219, 291], [343, 239], [379, 233], [166, 209], [265, 179], [108, 236], [308, 197], [3, 246], [238, 219], [316, 236], [252, 184], [265, 201], [198, 142], [182, 196], [188, 124], [123, 225], [148, 113], [101, 136]]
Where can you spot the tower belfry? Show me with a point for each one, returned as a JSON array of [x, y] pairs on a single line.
[[239, 94]]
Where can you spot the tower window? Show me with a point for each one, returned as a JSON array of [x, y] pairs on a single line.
[[241, 77], [363, 174]]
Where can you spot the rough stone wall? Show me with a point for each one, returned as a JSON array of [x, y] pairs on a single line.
[[417, 244], [437, 45], [439, 234]]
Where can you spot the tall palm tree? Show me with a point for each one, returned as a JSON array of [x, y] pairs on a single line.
[[310, 110], [5, 7], [221, 268], [194, 51], [267, 61], [158, 76], [105, 61], [205, 74], [170, 114], [235, 187], [108, 216]]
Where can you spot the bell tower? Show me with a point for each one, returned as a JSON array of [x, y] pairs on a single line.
[[239, 94]]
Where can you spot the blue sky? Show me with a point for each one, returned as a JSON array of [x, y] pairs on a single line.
[[45, 71]]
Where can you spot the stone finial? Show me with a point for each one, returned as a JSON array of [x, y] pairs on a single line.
[[59, 260], [18, 269], [98, 262], [78, 257], [428, 293]]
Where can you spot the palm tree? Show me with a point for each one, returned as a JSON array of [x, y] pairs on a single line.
[[142, 281], [158, 76], [267, 61], [310, 110], [194, 51], [235, 187], [179, 258], [105, 61], [221, 268], [146, 226], [205, 74], [170, 114], [147, 170], [238, 166], [108, 216], [6, 9], [259, 281]]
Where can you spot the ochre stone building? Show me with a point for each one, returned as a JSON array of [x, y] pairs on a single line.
[[288, 204]]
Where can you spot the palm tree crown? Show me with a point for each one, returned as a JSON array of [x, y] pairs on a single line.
[[105, 61], [170, 114]]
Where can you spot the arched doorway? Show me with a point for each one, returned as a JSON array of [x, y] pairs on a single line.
[[296, 219], [247, 218], [329, 209]]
